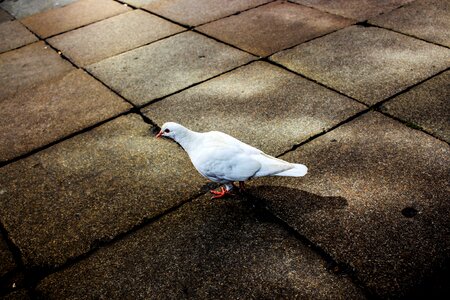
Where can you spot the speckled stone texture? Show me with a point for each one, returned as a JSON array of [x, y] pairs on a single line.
[[60, 202], [367, 63], [21, 294], [74, 15], [13, 35], [204, 250], [266, 106], [112, 36], [7, 263], [24, 8], [38, 116], [167, 66], [197, 12], [355, 9], [387, 209], [28, 66], [426, 19], [273, 27], [4, 16], [426, 105]]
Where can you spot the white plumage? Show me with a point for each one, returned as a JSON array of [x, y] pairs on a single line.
[[224, 159]]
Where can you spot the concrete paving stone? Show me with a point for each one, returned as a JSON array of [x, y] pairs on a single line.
[[426, 19], [7, 263], [204, 250], [21, 294], [13, 35], [28, 66], [266, 106], [426, 105], [4, 16], [112, 36], [51, 111], [386, 207], [367, 63], [59, 202], [24, 8], [74, 15], [355, 9], [273, 27], [166, 66], [196, 12]]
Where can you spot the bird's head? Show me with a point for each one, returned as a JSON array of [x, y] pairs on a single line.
[[171, 130]]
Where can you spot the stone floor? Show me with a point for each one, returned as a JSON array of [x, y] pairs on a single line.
[[92, 206]]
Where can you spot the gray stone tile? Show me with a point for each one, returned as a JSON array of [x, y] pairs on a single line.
[[166, 66], [28, 66], [112, 36], [41, 115], [355, 9], [74, 15], [197, 12], [6, 257], [426, 105], [273, 27], [426, 19], [13, 35], [24, 8], [367, 63], [364, 178], [4, 16], [261, 104], [59, 202], [204, 250]]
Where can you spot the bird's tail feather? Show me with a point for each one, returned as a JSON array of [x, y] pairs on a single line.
[[297, 171]]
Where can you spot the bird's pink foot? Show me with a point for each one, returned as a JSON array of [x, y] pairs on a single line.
[[220, 194]]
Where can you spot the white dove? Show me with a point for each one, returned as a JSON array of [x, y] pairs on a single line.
[[223, 159]]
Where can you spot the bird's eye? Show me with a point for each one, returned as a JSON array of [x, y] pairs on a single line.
[[167, 130]]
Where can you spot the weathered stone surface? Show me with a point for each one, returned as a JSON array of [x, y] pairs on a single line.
[[29, 66], [167, 66], [273, 27], [204, 250], [59, 202], [367, 63], [74, 15], [38, 116], [112, 36], [426, 105], [21, 294], [426, 19], [387, 208], [7, 263], [13, 34], [355, 9], [24, 8], [4, 16], [265, 106], [199, 11]]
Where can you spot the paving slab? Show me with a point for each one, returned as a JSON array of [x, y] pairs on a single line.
[[387, 209], [13, 35], [7, 263], [21, 294], [366, 63], [60, 202], [266, 106], [426, 19], [24, 8], [112, 36], [204, 250], [4, 16], [426, 105], [39, 116], [72, 16], [273, 27], [355, 9], [166, 66], [198, 12], [29, 66]]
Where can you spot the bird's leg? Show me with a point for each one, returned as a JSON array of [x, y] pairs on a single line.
[[241, 186], [223, 191]]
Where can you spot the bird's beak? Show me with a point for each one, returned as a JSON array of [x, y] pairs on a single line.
[[159, 134]]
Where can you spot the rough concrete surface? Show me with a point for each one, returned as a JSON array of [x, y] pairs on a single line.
[[38, 116], [385, 211], [7, 263], [426, 105], [267, 107], [367, 63], [205, 250], [167, 66], [24, 8], [4, 16], [112, 36], [426, 19], [58, 203], [13, 35], [74, 15]]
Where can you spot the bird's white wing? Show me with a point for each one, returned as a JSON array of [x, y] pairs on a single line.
[[271, 165], [225, 139]]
